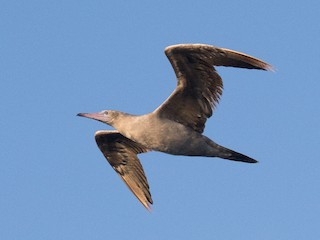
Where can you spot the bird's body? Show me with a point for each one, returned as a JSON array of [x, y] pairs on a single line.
[[160, 134], [177, 125], [164, 135]]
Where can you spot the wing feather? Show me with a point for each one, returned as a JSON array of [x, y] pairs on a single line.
[[199, 86], [121, 153]]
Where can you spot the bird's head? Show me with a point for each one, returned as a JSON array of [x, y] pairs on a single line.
[[105, 116]]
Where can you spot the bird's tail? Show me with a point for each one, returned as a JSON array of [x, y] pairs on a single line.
[[235, 156], [229, 154]]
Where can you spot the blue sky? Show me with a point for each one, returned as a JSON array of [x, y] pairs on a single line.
[[59, 58]]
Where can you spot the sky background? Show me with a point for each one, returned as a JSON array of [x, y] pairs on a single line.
[[59, 58]]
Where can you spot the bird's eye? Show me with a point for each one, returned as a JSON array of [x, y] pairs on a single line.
[[105, 112]]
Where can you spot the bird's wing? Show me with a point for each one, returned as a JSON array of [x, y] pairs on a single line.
[[121, 153], [199, 86]]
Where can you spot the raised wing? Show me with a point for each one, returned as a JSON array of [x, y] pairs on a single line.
[[199, 86], [121, 153]]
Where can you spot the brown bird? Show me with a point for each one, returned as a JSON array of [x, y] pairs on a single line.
[[176, 126]]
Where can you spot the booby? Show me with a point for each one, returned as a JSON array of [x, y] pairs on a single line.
[[176, 126]]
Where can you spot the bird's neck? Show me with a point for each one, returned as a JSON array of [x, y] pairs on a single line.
[[122, 120]]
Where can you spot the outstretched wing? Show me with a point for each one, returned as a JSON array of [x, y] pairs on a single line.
[[199, 86], [121, 153]]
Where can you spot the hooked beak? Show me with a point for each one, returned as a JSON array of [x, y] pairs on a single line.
[[95, 116]]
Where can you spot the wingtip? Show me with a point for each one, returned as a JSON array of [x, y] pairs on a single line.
[[148, 207], [268, 67], [249, 61], [271, 68], [146, 203]]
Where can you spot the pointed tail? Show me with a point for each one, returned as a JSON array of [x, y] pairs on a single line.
[[229, 154]]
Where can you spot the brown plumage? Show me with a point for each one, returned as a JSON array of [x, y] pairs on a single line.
[[199, 85], [176, 126], [121, 153]]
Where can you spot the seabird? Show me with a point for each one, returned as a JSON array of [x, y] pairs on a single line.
[[176, 126]]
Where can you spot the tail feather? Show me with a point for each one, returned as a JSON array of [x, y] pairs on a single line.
[[229, 154], [235, 156]]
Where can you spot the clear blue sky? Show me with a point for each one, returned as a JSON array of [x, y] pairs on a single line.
[[58, 58]]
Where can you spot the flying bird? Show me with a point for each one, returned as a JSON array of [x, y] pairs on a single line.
[[176, 126]]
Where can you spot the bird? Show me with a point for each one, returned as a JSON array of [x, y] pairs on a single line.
[[176, 126]]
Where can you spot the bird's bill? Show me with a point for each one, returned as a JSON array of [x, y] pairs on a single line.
[[95, 116]]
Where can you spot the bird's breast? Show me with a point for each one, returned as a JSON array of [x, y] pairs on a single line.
[[165, 136]]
